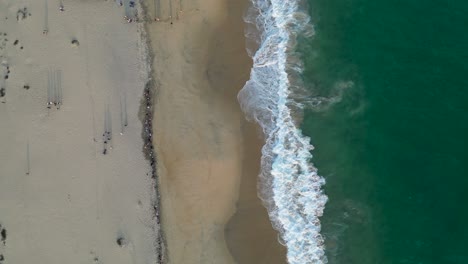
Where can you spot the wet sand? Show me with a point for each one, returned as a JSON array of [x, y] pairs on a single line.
[[208, 155], [249, 234]]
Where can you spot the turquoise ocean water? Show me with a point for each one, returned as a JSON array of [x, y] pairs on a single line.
[[392, 144]]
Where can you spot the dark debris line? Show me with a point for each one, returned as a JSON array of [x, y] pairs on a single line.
[[151, 156], [147, 134]]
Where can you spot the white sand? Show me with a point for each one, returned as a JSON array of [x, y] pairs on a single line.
[[75, 201]]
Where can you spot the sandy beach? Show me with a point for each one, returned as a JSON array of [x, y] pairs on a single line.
[[62, 200], [208, 155], [249, 234], [75, 183]]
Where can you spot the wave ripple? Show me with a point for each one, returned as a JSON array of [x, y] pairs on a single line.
[[289, 185]]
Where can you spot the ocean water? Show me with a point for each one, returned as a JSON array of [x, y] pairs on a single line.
[[392, 142], [364, 107]]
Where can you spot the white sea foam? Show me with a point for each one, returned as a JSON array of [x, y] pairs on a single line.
[[289, 184]]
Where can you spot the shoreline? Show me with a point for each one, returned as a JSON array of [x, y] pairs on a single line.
[[201, 137], [249, 233]]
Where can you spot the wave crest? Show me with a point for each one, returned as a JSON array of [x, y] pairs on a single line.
[[289, 186]]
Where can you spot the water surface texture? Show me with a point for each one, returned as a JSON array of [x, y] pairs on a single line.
[[387, 116]]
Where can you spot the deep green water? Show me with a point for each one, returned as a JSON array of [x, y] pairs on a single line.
[[394, 149]]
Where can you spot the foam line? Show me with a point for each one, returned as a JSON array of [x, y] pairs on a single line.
[[289, 184]]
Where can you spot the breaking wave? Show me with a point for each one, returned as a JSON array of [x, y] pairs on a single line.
[[289, 185]]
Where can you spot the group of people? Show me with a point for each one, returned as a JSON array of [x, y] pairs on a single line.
[[107, 136], [127, 18], [57, 104]]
